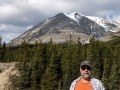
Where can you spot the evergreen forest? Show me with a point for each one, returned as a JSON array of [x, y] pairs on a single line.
[[53, 66]]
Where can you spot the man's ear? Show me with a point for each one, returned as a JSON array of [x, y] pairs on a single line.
[[80, 69]]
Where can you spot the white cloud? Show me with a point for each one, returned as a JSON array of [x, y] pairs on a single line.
[[104, 12], [113, 17], [116, 17], [10, 32], [7, 11], [8, 36]]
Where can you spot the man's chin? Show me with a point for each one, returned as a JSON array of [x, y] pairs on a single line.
[[86, 76]]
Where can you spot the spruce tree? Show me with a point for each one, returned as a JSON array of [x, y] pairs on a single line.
[[2, 52], [37, 65], [76, 59], [67, 79], [24, 57], [114, 84], [24, 52], [107, 55], [8, 55], [67, 66], [24, 79], [51, 76]]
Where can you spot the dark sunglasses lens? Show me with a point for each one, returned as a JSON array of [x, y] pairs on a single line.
[[88, 68], [83, 68]]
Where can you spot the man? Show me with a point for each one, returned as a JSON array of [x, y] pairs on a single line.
[[85, 81]]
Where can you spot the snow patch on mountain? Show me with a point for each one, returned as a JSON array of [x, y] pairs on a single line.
[[98, 20], [75, 16], [118, 21], [112, 22]]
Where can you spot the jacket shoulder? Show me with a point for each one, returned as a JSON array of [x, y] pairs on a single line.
[[96, 83]]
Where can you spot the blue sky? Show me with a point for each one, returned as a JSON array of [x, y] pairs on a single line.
[[17, 16]]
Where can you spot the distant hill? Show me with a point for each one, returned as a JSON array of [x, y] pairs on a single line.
[[111, 39], [114, 42]]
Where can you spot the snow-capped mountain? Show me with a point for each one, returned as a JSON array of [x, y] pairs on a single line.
[[108, 25], [62, 25]]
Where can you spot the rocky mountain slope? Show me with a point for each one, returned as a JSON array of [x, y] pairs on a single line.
[[62, 25]]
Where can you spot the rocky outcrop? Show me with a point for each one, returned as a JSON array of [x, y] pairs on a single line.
[[7, 70]]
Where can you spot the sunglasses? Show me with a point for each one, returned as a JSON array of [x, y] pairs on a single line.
[[86, 67]]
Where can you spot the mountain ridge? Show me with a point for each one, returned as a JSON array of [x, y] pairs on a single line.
[[60, 26]]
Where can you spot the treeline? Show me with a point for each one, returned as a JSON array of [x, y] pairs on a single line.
[[54, 66]]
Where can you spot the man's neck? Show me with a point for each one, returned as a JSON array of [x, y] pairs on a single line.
[[84, 80]]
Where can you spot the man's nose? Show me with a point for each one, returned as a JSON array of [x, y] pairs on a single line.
[[86, 69]]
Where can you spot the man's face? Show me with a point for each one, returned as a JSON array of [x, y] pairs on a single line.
[[85, 71]]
